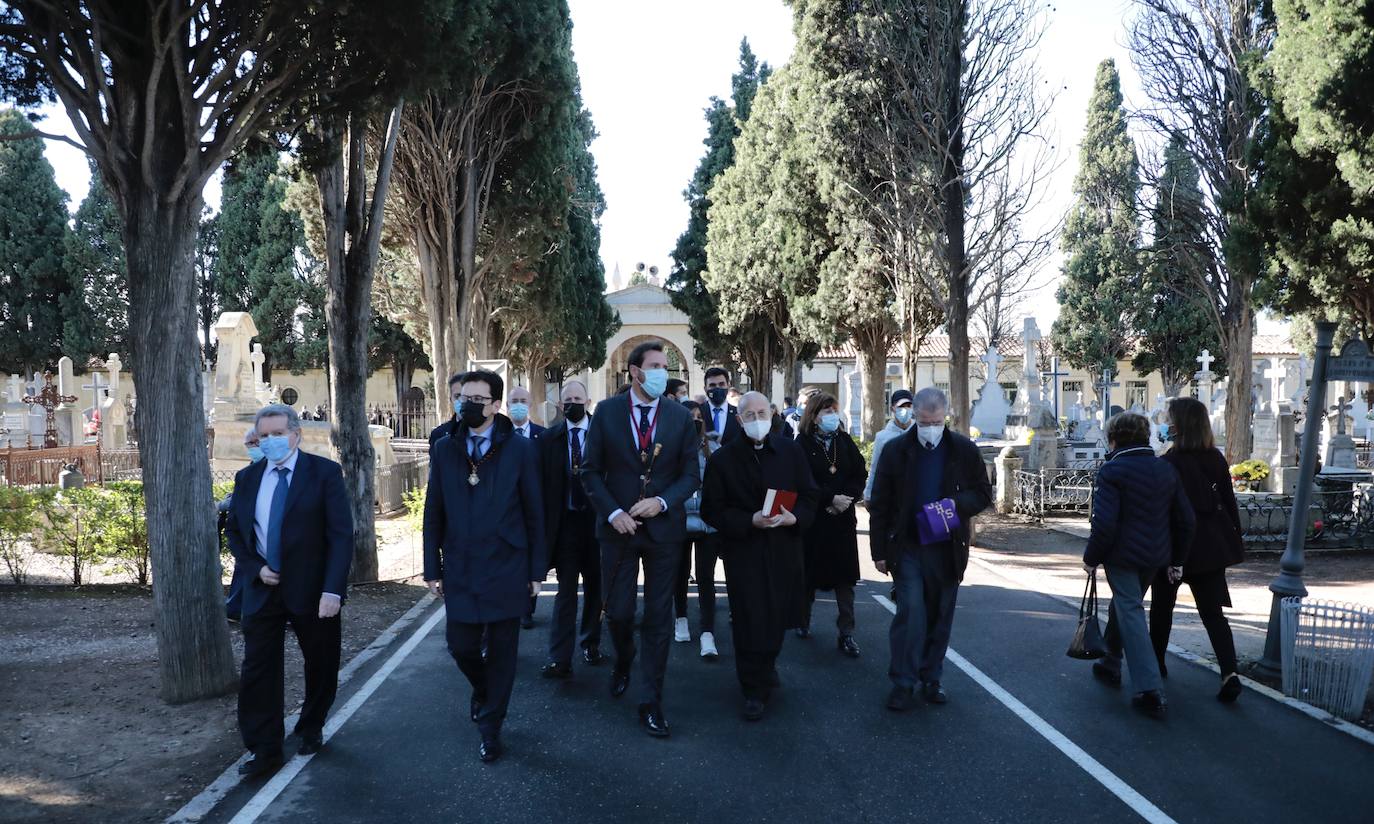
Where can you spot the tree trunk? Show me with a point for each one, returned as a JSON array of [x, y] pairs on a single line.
[[468, 228], [1238, 338], [952, 181], [352, 223], [195, 659], [873, 370], [791, 378]]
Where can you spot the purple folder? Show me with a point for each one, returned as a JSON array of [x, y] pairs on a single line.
[[936, 521]]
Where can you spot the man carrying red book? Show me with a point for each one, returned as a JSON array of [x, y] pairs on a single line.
[[746, 493]]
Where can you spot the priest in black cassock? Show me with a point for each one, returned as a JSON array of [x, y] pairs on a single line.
[[764, 569]]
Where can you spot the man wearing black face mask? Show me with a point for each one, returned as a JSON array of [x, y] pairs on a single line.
[[722, 418], [484, 545], [570, 527]]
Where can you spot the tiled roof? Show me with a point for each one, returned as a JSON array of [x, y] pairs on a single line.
[[937, 347]]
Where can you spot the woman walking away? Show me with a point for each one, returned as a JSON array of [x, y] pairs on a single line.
[[1216, 543], [832, 543], [1142, 522]]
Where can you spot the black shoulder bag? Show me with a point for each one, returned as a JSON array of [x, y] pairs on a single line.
[[1087, 644]]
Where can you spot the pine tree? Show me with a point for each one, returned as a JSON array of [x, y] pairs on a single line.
[[1101, 240], [1175, 323], [34, 279], [686, 282], [97, 307]]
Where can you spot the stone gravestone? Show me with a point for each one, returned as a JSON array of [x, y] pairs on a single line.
[[1283, 477], [235, 393], [114, 421], [1303, 367], [1338, 449], [1043, 452], [991, 409], [855, 413], [70, 429], [1218, 416], [1361, 426], [1028, 385], [1205, 378]]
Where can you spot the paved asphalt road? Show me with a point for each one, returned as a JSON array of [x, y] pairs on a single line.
[[828, 750]]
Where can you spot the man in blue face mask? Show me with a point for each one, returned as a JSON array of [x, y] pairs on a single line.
[[233, 605], [291, 532], [639, 469], [902, 417], [518, 407]]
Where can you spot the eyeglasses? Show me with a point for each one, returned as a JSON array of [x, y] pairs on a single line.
[[480, 399]]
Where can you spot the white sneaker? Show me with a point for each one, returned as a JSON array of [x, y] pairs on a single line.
[[680, 631], [708, 646]]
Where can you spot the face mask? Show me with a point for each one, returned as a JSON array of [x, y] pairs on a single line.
[[655, 381], [701, 426], [830, 422], [473, 414], [1165, 433], [276, 447], [931, 434], [758, 430], [902, 415], [457, 407], [717, 395], [255, 454], [574, 412], [519, 412]]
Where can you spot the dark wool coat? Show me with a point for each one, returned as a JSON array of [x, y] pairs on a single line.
[[832, 544]]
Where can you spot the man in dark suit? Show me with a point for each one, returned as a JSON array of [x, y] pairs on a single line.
[[518, 406], [291, 532], [570, 526], [233, 605], [722, 417], [639, 469], [926, 464], [448, 427], [484, 546]]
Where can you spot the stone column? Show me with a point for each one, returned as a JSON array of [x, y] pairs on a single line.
[[1008, 464], [70, 422]]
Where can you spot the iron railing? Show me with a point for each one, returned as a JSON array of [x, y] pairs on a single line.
[[1063, 491]]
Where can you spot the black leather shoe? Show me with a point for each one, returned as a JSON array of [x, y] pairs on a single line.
[[753, 709], [1150, 702], [803, 632], [934, 693], [1107, 674], [553, 669], [1230, 689], [310, 743], [651, 716], [620, 681], [848, 646], [490, 750], [901, 699], [260, 765], [476, 705], [592, 657]]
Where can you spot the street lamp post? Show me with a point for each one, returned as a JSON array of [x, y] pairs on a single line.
[[1289, 583]]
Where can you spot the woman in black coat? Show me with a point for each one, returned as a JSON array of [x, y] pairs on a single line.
[[1216, 543], [832, 543]]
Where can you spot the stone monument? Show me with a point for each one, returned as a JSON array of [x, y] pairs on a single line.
[[991, 409]]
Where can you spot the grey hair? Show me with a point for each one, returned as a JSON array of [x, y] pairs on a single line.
[[293, 421], [750, 395], [930, 399], [250, 434]]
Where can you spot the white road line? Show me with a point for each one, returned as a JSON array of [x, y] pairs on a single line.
[[273, 788], [200, 806], [1137, 802], [1334, 722]]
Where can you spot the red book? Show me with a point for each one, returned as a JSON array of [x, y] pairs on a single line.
[[777, 500]]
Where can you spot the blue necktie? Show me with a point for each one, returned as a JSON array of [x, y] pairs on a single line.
[[715, 424], [476, 451], [274, 519]]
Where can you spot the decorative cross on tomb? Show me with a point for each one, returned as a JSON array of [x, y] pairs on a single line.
[[1276, 374], [993, 360], [49, 399], [1030, 336], [97, 385], [1206, 360], [1053, 376], [1341, 408]]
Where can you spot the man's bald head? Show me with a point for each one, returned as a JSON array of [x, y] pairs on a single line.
[[754, 407], [574, 392]]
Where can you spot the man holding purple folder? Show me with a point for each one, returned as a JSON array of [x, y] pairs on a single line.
[[929, 482]]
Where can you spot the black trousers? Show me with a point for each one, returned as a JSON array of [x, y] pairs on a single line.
[[620, 560], [261, 681], [707, 552], [844, 601], [1211, 594], [492, 678], [577, 554]]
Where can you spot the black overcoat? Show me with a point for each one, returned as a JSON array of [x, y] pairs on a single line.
[[832, 544]]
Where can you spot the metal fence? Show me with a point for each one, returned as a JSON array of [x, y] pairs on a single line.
[[1064, 491], [1339, 516], [1328, 654], [394, 482], [412, 419]]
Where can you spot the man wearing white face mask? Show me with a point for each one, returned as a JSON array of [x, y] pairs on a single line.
[[930, 483], [903, 416]]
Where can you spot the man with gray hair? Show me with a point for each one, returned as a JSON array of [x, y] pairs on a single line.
[[291, 531], [929, 483]]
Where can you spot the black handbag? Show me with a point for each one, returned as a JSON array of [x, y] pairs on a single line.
[[1087, 644]]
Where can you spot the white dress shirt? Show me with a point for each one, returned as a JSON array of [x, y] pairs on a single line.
[[523, 429], [581, 426]]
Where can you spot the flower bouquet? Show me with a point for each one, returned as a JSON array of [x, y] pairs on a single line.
[[1247, 475]]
